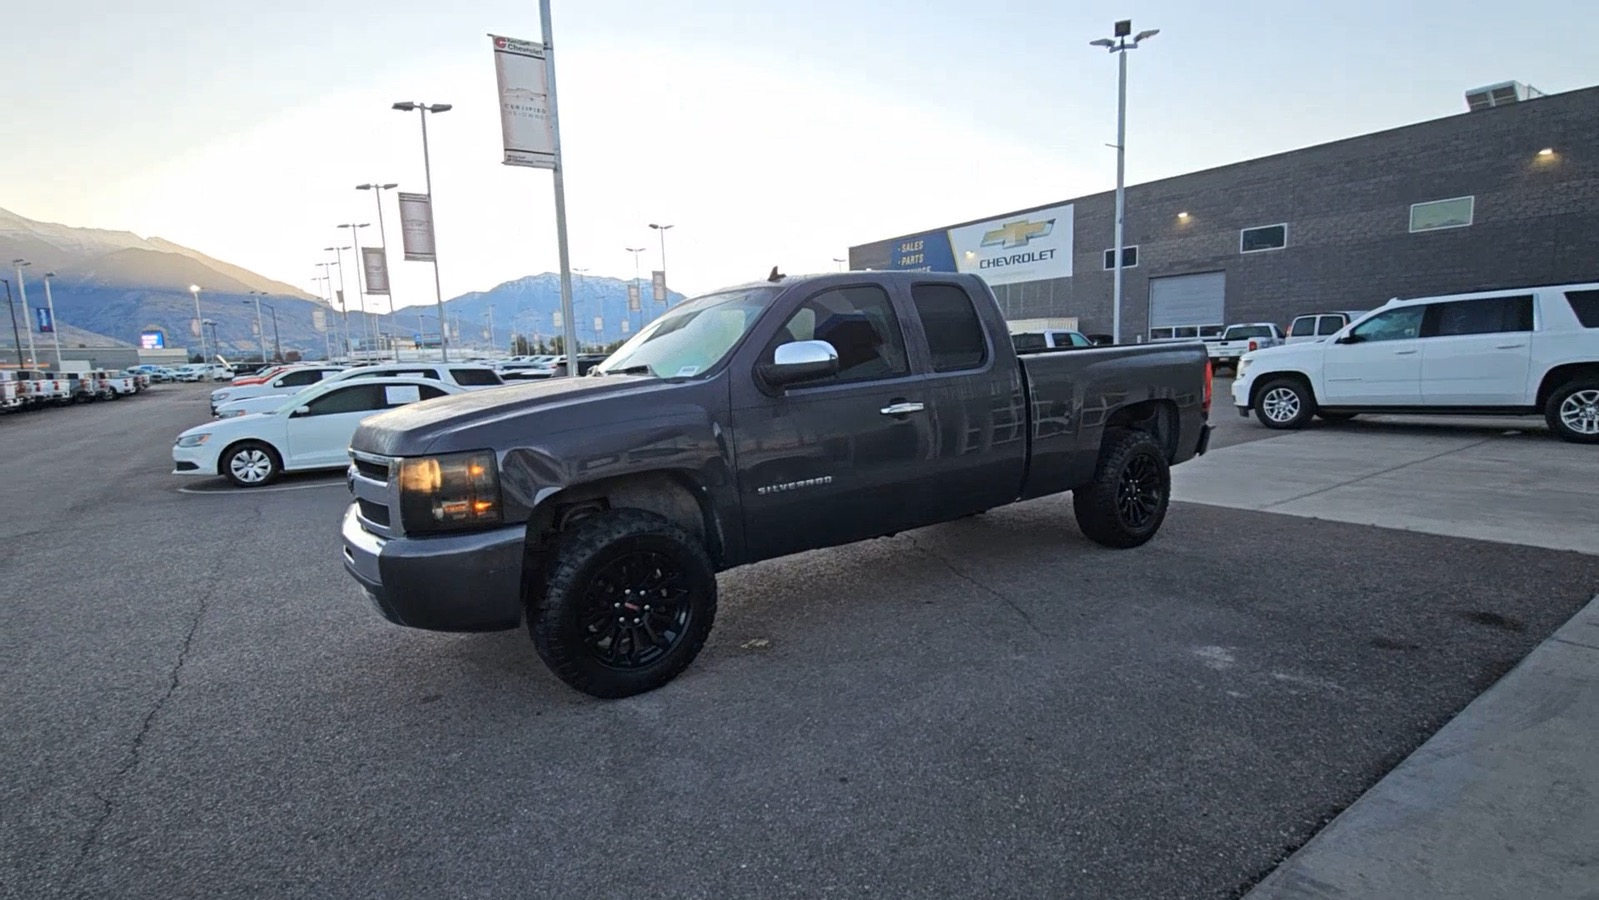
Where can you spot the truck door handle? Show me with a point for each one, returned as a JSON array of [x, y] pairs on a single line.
[[1403, 352], [901, 408], [1510, 346]]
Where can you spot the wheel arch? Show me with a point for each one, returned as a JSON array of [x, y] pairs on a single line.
[[1258, 382], [1559, 375], [1157, 417]]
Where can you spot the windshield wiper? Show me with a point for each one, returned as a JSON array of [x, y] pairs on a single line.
[[627, 370]]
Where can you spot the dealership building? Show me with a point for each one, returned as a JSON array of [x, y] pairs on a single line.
[[1504, 194]]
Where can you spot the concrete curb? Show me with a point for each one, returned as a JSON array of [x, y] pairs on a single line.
[[1502, 802]]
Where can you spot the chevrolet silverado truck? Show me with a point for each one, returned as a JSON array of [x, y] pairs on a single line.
[[751, 423]]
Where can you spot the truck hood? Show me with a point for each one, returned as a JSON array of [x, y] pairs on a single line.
[[414, 429]]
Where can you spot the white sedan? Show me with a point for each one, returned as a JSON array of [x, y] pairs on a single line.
[[310, 430]]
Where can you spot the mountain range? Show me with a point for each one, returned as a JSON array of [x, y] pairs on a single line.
[[117, 285]]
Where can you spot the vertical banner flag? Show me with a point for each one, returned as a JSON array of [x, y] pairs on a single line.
[[555, 319], [374, 260], [632, 297], [599, 324], [319, 319], [658, 280], [525, 125], [625, 329], [42, 322], [416, 226]]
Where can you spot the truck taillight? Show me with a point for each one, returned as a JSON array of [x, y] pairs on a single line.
[[1206, 405], [1254, 345]]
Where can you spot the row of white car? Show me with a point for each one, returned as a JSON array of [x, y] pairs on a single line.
[[301, 418], [1521, 351]]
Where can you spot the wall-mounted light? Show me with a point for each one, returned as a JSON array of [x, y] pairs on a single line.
[[1182, 215], [1547, 151], [970, 254]]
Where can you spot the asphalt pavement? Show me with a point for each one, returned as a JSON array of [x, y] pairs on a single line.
[[200, 704]]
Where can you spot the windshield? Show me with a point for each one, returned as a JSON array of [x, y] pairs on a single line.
[[693, 338], [1247, 331]]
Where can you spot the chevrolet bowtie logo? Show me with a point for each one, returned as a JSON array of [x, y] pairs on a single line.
[[1017, 234]]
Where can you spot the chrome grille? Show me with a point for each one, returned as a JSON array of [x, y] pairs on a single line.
[[377, 498]]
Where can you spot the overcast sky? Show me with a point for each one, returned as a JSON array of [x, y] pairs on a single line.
[[765, 133]]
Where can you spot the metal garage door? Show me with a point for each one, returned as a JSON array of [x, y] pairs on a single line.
[[1187, 306]]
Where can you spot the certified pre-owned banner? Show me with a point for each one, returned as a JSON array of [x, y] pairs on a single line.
[[375, 263], [525, 125], [1031, 246], [416, 226]]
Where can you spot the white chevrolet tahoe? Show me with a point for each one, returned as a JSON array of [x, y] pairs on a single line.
[[1519, 351]]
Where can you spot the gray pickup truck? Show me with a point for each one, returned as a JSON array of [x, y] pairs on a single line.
[[743, 425]]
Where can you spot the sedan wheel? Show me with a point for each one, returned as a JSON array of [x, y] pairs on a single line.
[[251, 465]]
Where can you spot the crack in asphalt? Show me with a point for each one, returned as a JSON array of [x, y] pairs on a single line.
[[1026, 617], [107, 793], [1391, 469]]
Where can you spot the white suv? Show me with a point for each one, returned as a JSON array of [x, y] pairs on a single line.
[[1518, 351]]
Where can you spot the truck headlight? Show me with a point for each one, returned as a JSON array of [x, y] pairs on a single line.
[[450, 493], [1242, 365], [193, 440]]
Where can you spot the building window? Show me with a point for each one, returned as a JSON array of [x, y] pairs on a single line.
[[1129, 257], [1455, 212], [1186, 332], [1265, 237]]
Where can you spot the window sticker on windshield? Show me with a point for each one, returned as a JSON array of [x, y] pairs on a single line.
[[402, 393], [686, 371]]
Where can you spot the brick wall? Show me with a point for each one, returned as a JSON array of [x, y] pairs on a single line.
[[1347, 207]]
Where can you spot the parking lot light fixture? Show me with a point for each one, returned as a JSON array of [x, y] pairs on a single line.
[[50, 304], [422, 110], [260, 329], [1119, 44], [199, 321], [16, 334], [27, 314]]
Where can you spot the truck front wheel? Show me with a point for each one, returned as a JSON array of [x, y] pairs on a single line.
[[1126, 502], [627, 603]]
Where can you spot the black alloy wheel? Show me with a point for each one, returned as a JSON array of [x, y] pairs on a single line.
[[636, 610]]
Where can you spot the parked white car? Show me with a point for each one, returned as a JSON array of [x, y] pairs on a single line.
[[309, 431], [1519, 351], [1320, 326], [1240, 339], [468, 377], [285, 382]]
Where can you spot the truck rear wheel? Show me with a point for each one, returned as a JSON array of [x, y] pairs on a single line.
[[629, 598], [1125, 504]]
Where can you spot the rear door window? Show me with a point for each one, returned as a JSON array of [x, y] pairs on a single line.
[[475, 377], [1304, 326], [1586, 305], [1330, 325], [955, 336], [1491, 315]]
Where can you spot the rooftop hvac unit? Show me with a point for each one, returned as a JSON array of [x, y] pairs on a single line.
[[1502, 94]]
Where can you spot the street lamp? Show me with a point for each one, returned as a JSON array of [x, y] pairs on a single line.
[[383, 241], [422, 109], [27, 314], [55, 329], [1120, 45], [637, 285], [840, 263], [662, 229], [16, 335], [344, 303], [215, 342], [360, 285], [260, 329], [277, 346], [199, 323]]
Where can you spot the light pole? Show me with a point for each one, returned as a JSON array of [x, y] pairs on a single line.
[[322, 282], [344, 301], [215, 343], [360, 281], [383, 242], [344, 318], [840, 263], [199, 323], [422, 109], [663, 229], [637, 284], [27, 314], [16, 335], [277, 346], [260, 329], [1120, 45], [492, 344], [55, 328]]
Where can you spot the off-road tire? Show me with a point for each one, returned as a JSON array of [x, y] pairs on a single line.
[[1279, 391], [274, 461], [555, 612], [1101, 513], [1576, 391]]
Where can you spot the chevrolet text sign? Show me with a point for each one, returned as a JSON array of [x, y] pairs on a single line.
[[1029, 246]]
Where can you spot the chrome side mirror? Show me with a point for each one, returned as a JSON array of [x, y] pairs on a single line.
[[799, 361]]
